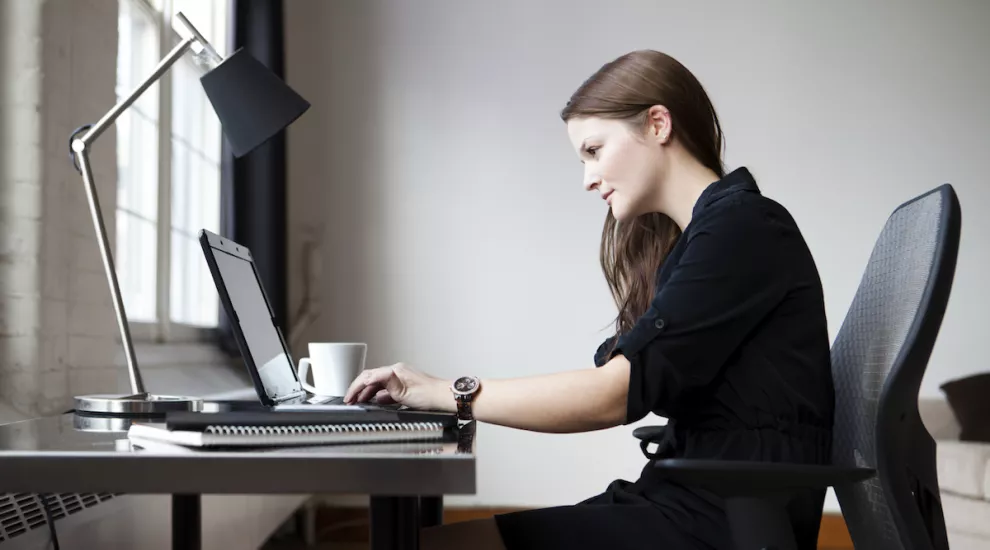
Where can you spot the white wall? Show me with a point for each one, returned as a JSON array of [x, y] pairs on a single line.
[[457, 236]]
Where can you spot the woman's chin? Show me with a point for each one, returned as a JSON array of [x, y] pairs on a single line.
[[619, 213]]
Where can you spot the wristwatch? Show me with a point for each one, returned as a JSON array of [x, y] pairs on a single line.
[[464, 390]]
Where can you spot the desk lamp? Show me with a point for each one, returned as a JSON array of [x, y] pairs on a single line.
[[253, 105]]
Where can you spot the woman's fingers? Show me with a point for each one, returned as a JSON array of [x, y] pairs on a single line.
[[369, 378], [383, 398], [368, 392]]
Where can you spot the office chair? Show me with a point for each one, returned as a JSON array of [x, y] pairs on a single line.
[[883, 458]]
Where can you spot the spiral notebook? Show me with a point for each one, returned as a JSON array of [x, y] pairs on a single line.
[[291, 432]]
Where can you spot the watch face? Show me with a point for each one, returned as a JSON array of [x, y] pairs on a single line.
[[465, 384]]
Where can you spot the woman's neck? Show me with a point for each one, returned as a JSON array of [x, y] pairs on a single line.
[[686, 182]]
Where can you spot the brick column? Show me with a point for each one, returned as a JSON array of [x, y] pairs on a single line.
[[57, 331]]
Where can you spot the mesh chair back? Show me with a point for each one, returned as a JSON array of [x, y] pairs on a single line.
[[878, 360]]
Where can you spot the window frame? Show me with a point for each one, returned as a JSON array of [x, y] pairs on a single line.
[[164, 329]]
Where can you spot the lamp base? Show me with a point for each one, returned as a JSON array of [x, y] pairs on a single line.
[[102, 423], [141, 404]]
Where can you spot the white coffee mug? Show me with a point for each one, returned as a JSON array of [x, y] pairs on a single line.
[[335, 365]]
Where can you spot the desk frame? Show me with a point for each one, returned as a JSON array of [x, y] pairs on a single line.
[[406, 490]]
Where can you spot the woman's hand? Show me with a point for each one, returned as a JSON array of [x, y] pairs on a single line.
[[401, 383]]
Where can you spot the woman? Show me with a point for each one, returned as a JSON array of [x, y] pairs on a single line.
[[721, 327]]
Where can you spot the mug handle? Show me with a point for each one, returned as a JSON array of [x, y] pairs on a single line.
[[303, 373]]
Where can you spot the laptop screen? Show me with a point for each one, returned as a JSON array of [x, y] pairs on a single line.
[[253, 314]]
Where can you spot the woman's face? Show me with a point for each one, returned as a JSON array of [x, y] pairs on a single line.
[[623, 164]]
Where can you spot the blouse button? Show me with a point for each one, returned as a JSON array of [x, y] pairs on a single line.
[[659, 323]]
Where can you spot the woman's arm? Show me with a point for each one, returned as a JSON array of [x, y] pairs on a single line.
[[566, 402]]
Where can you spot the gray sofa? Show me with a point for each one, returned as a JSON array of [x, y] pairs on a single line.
[[964, 478]]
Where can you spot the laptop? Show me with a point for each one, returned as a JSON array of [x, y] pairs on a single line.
[[258, 337]]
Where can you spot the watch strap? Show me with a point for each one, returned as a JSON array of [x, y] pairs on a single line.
[[465, 437], [464, 411]]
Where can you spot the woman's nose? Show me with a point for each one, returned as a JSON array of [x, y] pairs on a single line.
[[591, 180]]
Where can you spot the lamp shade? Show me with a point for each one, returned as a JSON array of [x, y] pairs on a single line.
[[251, 102]]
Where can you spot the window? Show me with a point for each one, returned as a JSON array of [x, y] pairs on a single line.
[[168, 161]]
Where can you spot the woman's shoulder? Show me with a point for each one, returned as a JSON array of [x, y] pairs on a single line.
[[750, 228], [751, 213]]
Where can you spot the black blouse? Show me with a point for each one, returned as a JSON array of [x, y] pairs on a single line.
[[736, 335], [734, 348]]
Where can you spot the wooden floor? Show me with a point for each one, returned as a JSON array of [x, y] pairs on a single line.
[[347, 529]]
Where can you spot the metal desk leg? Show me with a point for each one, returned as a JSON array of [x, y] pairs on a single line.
[[431, 511], [394, 523], [186, 522]]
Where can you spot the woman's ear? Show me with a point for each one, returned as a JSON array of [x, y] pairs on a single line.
[[658, 124]]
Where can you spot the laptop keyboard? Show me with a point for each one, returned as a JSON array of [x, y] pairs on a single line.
[[324, 400]]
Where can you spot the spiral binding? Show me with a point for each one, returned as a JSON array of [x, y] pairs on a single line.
[[319, 429]]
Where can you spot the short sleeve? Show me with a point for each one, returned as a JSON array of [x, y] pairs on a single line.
[[602, 353], [729, 277]]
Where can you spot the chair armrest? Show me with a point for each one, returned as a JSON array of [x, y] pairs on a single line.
[[649, 433], [751, 478]]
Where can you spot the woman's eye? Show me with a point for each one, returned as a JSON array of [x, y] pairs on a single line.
[[593, 150]]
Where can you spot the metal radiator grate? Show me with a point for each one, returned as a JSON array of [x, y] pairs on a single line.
[[22, 512]]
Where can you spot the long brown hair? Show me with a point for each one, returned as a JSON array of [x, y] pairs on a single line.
[[625, 88]]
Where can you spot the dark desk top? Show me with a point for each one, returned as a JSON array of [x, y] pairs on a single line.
[[70, 453]]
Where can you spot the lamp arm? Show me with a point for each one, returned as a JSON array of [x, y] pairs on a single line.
[[211, 53], [80, 150], [108, 119], [137, 384]]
